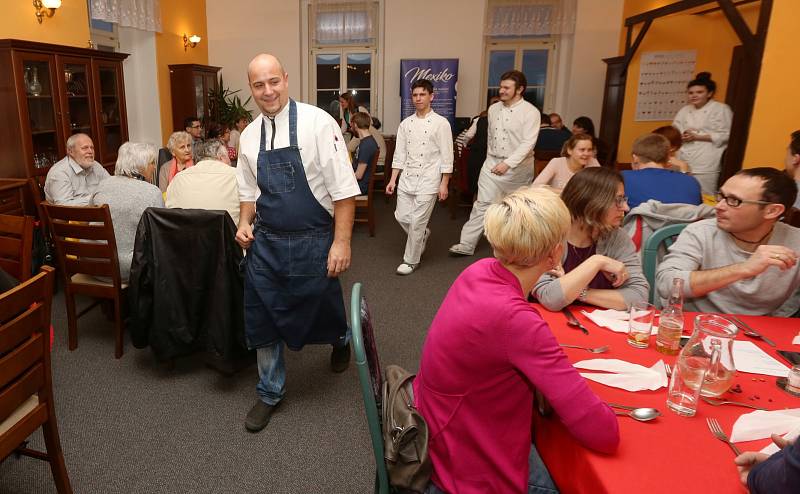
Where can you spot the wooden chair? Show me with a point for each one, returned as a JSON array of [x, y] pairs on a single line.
[[382, 179], [370, 379], [26, 399], [86, 249], [365, 207], [16, 245]]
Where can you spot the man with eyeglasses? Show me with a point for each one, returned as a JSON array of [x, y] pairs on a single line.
[[745, 260], [194, 128]]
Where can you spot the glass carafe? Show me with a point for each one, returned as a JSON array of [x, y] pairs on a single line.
[[707, 359]]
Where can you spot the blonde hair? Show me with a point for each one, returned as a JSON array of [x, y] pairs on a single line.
[[526, 226]]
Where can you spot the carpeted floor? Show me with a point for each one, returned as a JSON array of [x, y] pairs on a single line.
[[132, 426]]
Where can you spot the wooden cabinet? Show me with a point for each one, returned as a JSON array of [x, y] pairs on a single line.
[[50, 92], [189, 88]]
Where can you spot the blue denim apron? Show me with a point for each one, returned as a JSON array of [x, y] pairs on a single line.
[[288, 296]]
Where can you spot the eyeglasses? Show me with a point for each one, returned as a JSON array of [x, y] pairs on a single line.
[[621, 201], [735, 202]]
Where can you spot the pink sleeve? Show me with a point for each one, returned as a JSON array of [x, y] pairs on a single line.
[[534, 351], [546, 176]]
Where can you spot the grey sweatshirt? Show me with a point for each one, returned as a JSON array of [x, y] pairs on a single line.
[[616, 245], [703, 246]]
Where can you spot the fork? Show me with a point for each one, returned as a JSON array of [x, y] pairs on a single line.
[[600, 349], [717, 403], [715, 429]]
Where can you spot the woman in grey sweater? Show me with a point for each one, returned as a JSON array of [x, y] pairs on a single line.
[[128, 193], [599, 264]]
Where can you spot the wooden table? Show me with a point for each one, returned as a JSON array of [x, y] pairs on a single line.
[[672, 454]]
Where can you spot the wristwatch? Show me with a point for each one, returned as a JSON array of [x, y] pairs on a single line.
[[582, 295]]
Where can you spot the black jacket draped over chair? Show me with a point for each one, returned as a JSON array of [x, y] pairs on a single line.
[[186, 290]]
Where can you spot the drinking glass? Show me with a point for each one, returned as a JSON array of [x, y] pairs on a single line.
[[640, 324]]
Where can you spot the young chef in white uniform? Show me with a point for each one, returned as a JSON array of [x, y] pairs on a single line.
[[513, 130], [705, 125], [424, 152]]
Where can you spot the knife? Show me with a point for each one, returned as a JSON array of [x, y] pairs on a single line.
[[750, 329], [572, 321]]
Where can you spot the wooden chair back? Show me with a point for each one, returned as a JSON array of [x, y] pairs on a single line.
[[365, 208], [85, 246], [26, 399], [16, 245]]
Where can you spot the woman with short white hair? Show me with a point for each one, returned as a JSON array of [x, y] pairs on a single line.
[[488, 349], [128, 193], [180, 145]]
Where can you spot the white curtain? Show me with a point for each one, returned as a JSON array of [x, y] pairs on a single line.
[[141, 14], [336, 22], [521, 18]]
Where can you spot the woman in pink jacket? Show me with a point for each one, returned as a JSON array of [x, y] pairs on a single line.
[[488, 349]]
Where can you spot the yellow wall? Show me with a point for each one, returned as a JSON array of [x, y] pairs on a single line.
[[710, 34], [178, 17], [69, 26], [776, 110]]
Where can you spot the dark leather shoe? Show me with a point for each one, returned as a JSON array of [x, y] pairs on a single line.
[[340, 358], [258, 416]]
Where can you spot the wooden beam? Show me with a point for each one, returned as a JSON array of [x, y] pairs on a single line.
[[628, 37], [717, 9], [738, 24], [639, 37], [672, 8]]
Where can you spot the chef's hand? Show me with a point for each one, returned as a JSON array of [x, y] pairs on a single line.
[[338, 258], [390, 188], [500, 168], [244, 235], [443, 191]]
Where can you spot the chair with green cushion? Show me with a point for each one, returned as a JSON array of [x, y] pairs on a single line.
[[665, 236], [369, 375]]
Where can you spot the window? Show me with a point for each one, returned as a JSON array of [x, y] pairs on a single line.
[[104, 35], [342, 37], [331, 79], [532, 59]]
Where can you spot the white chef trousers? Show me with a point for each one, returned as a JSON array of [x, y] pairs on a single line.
[[492, 188], [413, 212], [708, 181]]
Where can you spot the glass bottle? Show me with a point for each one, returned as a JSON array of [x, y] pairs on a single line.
[[35, 87], [670, 324]]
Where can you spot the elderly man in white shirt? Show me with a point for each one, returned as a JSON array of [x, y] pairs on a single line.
[[73, 180], [513, 130], [297, 192], [424, 152], [210, 184]]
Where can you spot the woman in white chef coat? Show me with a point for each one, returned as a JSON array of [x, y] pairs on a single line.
[[705, 125]]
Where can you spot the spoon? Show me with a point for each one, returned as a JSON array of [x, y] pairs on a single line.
[[640, 414]]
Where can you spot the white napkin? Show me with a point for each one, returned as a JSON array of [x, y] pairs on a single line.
[[796, 340], [749, 358], [615, 320], [625, 375], [760, 424]]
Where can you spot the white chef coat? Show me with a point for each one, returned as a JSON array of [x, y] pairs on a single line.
[[714, 119], [322, 149], [423, 150], [513, 131]]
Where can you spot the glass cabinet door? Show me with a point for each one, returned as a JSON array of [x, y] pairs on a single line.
[[112, 129], [78, 106], [40, 98]]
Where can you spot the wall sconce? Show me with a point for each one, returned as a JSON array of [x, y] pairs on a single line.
[[190, 41], [45, 8]]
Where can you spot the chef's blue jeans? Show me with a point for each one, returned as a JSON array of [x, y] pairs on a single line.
[[272, 371], [539, 480]]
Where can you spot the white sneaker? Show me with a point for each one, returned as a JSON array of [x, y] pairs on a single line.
[[461, 250], [405, 269]]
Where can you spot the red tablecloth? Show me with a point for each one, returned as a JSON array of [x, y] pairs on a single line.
[[671, 454]]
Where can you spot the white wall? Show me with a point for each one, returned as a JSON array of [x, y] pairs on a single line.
[[240, 29], [141, 86], [596, 37]]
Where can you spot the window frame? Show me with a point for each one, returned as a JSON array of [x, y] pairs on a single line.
[[519, 45]]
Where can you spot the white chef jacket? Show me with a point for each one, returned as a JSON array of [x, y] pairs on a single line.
[[322, 149], [423, 150], [714, 119], [513, 131]]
